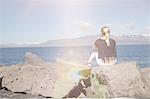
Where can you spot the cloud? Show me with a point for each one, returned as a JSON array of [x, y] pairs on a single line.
[[129, 25], [148, 29], [120, 28], [84, 27], [126, 26]]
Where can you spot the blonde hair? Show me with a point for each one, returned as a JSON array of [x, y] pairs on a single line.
[[104, 34], [102, 31]]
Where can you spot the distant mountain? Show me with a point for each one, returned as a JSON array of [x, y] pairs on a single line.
[[89, 40], [132, 39], [86, 41], [82, 41]]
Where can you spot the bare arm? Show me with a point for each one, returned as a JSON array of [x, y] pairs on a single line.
[[95, 48]]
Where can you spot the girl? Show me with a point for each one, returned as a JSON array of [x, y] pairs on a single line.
[[104, 49]]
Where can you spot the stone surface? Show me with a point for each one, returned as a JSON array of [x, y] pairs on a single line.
[[36, 77], [146, 74], [48, 80], [121, 80], [1, 82], [5, 94], [38, 80], [31, 58]]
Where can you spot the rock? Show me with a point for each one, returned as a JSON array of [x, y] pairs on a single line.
[[1, 82], [121, 80], [146, 74], [38, 80], [1, 65], [49, 80], [76, 91], [5, 94], [31, 58], [36, 77]]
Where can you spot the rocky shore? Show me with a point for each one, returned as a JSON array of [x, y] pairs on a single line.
[[38, 79]]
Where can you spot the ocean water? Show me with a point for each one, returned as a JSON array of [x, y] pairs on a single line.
[[138, 53]]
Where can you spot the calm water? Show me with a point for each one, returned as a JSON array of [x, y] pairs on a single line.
[[138, 53]]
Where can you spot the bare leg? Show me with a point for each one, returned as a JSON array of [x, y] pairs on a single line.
[[94, 55]]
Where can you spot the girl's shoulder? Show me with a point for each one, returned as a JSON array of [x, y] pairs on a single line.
[[111, 39]]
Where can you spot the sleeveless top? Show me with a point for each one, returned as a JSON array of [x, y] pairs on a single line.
[[105, 51]]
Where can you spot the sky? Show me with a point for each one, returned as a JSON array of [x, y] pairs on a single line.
[[36, 21]]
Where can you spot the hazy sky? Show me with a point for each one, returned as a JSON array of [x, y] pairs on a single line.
[[33, 21]]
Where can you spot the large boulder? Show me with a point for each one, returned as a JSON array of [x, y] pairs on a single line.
[[121, 80], [49, 80], [31, 58], [146, 74]]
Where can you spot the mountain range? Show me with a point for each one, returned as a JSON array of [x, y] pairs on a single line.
[[87, 41]]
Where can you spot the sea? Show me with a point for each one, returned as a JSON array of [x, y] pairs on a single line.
[[125, 53]]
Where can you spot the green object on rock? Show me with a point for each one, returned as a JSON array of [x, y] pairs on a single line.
[[97, 87], [85, 72]]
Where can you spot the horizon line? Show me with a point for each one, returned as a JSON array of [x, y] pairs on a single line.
[[29, 43]]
